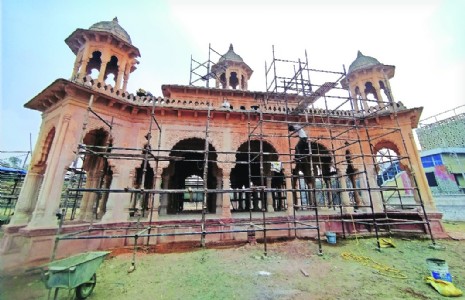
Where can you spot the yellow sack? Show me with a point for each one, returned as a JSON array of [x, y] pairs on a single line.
[[386, 243], [444, 288]]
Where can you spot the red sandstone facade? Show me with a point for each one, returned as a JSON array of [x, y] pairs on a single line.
[[187, 116]]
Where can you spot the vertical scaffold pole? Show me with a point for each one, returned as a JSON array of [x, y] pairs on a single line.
[[205, 178]]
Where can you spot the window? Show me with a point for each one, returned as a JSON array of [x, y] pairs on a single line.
[[431, 160], [431, 179]]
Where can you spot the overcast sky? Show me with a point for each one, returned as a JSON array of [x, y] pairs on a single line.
[[424, 39]]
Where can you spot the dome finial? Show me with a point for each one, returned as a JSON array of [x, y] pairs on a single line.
[[115, 19], [362, 62], [231, 48]]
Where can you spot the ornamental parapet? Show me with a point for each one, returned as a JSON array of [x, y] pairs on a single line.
[[148, 100]]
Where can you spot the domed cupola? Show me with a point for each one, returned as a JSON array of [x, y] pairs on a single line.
[[112, 27], [363, 62], [365, 80], [105, 52], [231, 71]]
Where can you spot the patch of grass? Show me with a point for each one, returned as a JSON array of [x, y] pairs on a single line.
[[454, 226]]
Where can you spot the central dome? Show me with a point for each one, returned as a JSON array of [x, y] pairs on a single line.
[[112, 27], [362, 62], [231, 55]]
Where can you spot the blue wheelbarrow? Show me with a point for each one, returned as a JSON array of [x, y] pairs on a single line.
[[75, 272]]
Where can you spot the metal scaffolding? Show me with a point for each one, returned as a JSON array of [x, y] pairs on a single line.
[[330, 177]]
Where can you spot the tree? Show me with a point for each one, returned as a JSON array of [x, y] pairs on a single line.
[[15, 162]]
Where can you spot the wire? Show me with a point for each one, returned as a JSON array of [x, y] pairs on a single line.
[[369, 262]]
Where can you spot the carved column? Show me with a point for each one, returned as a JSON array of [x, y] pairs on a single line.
[[77, 63], [228, 79], [157, 196], [289, 194], [118, 203], [226, 197], [83, 69], [89, 198], [164, 197], [61, 156], [119, 78], [345, 199], [269, 198], [82, 60], [103, 68], [418, 173], [27, 198], [378, 95], [375, 195], [364, 101], [354, 98], [126, 78]]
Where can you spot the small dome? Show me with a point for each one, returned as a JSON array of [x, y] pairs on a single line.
[[362, 62], [112, 27], [231, 55]]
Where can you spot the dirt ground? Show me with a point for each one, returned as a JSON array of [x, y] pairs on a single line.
[[291, 270]]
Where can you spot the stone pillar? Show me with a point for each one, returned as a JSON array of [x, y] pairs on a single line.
[[164, 197], [375, 195], [61, 156], [118, 203], [83, 69], [354, 98], [157, 197], [418, 172], [102, 205], [82, 60], [226, 197], [289, 194], [77, 63], [345, 199], [119, 78], [27, 197], [378, 95], [364, 101], [387, 85], [89, 198], [269, 197], [228, 77], [103, 68], [126, 78]]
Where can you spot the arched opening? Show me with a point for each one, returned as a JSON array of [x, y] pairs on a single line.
[[392, 173], [193, 197], [97, 175], [110, 80], [371, 93], [314, 171], [233, 80], [247, 172], [111, 71], [141, 203], [386, 91], [192, 163], [223, 80], [93, 67], [352, 181]]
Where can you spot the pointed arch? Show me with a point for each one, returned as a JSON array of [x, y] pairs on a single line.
[[47, 145]]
